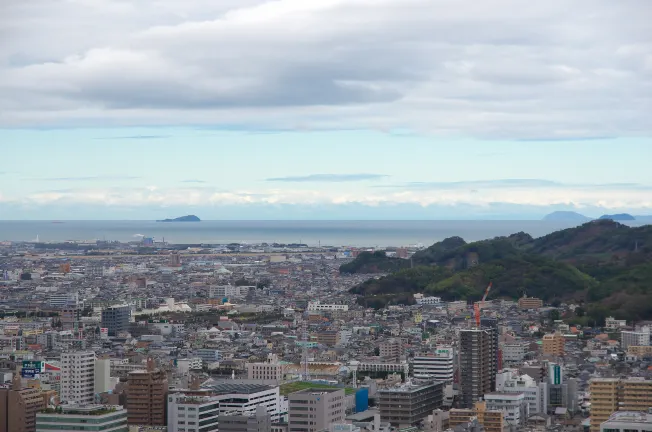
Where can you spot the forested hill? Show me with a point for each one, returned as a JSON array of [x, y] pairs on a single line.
[[602, 262]]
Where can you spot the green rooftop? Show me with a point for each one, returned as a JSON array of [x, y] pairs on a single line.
[[286, 389]]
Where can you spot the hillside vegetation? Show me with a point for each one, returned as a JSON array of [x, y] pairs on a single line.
[[604, 263]]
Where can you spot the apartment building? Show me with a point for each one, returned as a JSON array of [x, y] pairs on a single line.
[[438, 366], [515, 352], [328, 337], [18, 407], [78, 377], [116, 319], [493, 421], [313, 410], [407, 405], [478, 365], [147, 396], [318, 306], [639, 351], [391, 349], [530, 303], [609, 395], [553, 344], [535, 393], [266, 371], [612, 324], [634, 338], [514, 407]]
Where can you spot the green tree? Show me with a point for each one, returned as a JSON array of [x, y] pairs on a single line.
[[580, 312], [554, 315]]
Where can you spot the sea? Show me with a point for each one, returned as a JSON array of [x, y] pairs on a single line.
[[311, 232]]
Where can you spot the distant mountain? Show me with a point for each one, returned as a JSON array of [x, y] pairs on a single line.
[[189, 218], [566, 216], [619, 217]]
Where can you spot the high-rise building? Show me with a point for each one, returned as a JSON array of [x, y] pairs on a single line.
[[78, 377], [76, 418], [192, 413], [493, 421], [116, 319], [634, 338], [553, 344], [391, 349], [313, 410], [18, 407], [408, 405], [609, 395], [438, 366], [102, 375], [147, 396], [258, 421], [478, 360]]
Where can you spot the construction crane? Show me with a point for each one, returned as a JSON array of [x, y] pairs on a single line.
[[478, 306]]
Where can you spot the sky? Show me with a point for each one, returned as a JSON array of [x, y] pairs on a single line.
[[324, 109]]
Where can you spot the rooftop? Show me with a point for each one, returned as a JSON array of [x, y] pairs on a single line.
[[631, 417], [239, 388]]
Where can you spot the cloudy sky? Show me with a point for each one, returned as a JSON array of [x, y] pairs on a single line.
[[141, 109]]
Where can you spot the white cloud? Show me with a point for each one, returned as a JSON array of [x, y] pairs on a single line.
[[489, 69], [481, 193]]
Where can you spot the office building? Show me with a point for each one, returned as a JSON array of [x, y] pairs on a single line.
[[78, 377], [391, 349], [609, 395], [186, 413], [634, 338], [266, 371], [407, 405], [493, 421], [626, 421], [515, 352], [315, 306], [639, 351], [147, 396], [553, 344], [64, 300], [18, 407], [514, 407], [536, 393], [612, 324], [478, 364], [313, 410], [116, 319], [328, 337], [103, 376], [438, 366], [245, 398], [259, 421], [208, 355], [79, 418], [530, 303]]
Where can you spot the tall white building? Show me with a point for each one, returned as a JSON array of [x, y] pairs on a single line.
[[634, 338], [535, 393], [513, 405], [78, 377], [438, 365], [102, 376], [185, 413]]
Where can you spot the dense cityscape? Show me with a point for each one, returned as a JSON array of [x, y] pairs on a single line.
[[151, 336]]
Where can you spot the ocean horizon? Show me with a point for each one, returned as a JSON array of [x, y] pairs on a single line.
[[376, 233]]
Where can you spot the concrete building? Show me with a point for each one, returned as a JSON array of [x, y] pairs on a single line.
[[64, 300], [265, 371], [318, 306], [530, 303], [639, 351], [245, 398], [536, 393], [493, 421], [612, 324], [313, 410], [407, 405], [634, 338], [609, 395], [553, 344], [103, 376], [515, 352], [185, 413], [438, 366], [391, 349], [514, 407], [147, 396], [625, 421], [431, 301], [76, 418], [208, 355], [259, 421], [18, 407], [478, 365], [328, 337], [116, 319], [78, 377]]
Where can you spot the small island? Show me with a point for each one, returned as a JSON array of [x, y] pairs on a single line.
[[619, 217], [188, 218], [567, 216]]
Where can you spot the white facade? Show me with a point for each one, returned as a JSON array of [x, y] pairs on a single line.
[[428, 300], [515, 351], [628, 421], [84, 418], [513, 405], [78, 377], [438, 366], [184, 412], [535, 393], [229, 291], [317, 306], [103, 376], [61, 300], [245, 403], [612, 323], [634, 338]]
